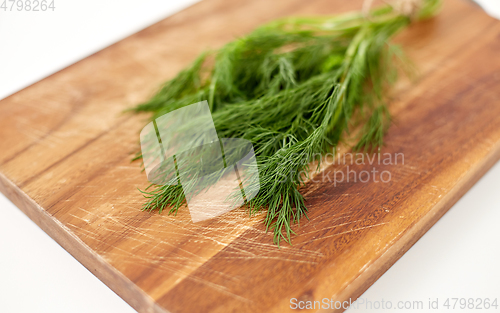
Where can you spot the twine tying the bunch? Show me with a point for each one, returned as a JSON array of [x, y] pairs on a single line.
[[405, 7]]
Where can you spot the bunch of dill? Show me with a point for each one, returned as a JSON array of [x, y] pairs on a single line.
[[291, 87]]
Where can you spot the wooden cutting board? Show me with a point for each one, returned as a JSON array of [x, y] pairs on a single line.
[[66, 146]]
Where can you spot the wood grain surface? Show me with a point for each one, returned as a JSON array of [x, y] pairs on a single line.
[[65, 150]]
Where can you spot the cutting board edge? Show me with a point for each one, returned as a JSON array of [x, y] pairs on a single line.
[[94, 263]]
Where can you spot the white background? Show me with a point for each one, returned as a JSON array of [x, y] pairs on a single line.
[[458, 257]]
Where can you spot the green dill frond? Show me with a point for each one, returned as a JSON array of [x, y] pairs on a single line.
[[293, 88]]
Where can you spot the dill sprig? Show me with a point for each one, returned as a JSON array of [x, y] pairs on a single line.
[[293, 88]]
